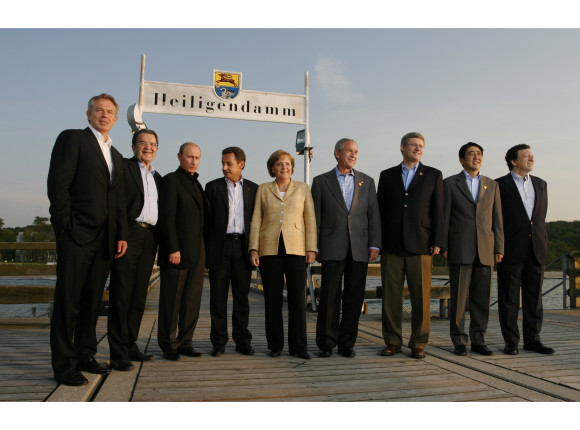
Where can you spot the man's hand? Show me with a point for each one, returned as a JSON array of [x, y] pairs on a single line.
[[121, 248], [373, 255], [310, 256], [435, 250], [175, 258], [445, 255], [498, 258]]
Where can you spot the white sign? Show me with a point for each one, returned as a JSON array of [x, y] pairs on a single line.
[[197, 100]]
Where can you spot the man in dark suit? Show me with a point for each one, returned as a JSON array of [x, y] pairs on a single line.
[[130, 274], [349, 236], [182, 211], [474, 234], [524, 201], [85, 189], [231, 201], [411, 205]]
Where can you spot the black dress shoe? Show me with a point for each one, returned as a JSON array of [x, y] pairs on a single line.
[[481, 349], [216, 351], [324, 353], [302, 355], [90, 365], [538, 347], [189, 351], [71, 377], [275, 353], [245, 349], [511, 349], [122, 365], [346, 352], [460, 350], [141, 357], [171, 355]]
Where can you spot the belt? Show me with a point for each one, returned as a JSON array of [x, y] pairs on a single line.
[[142, 225], [234, 236]]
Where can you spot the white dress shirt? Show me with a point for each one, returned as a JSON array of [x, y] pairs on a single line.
[[150, 213], [106, 149], [236, 206], [526, 189]]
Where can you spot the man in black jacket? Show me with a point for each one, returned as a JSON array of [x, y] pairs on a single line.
[[231, 201], [85, 189], [524, 202], [410, 198], [182, 211], [130, 274]]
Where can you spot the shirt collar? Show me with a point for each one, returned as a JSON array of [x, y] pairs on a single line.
[[469, 177], [143, 167], [241, 181], [351, 173], [414, 168], [520, 178], [100, 138]]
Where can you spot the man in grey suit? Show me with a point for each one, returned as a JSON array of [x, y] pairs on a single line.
[[474, 235], [349, 236]]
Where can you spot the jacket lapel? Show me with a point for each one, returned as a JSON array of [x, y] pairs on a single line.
[[417, 178], [274, 190], [462, 185], [334, 188], [94, 143], [223, 192], [358, 182], [136, 174]]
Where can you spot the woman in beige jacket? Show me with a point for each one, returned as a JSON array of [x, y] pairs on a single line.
[[282, 242]]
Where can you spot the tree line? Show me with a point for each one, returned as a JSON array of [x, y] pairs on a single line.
[[564, 236]]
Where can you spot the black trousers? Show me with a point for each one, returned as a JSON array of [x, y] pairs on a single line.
[[234, 268], [82, 272], [331, 330], [469, 282], [273, 268], [179, 300], [528, 275], [130, 276]]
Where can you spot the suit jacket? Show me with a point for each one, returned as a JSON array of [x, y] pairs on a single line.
[[82, 198], [518, 229], [134, 191], [292, 216], [217, 223], [337, 227], [472, 229], [182, 209], [412, 220]]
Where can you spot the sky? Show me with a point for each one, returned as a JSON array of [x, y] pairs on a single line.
[[498, 73], [495, 86]]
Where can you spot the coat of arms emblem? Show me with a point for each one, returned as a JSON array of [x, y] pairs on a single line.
[[226, 85]]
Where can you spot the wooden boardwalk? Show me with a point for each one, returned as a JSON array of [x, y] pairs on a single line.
[[25, 373]]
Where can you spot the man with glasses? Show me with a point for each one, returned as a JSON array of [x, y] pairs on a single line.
[[410, 198], [524, 202], [130, 274]]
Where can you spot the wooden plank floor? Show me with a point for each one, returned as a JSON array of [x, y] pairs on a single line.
[[25, 373]]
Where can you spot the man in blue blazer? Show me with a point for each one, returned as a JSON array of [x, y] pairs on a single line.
[[524, 201], [410, 198], [86, 192], [349, 236]]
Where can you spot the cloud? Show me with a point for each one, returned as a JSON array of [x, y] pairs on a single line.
[[331, 76]]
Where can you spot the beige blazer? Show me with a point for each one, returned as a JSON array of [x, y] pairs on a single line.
[[293, 216]]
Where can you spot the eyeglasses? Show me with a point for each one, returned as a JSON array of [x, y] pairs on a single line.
[[144, 144]]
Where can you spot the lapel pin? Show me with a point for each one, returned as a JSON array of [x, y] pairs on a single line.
[[360, 183], [485, 187], [421, 173]]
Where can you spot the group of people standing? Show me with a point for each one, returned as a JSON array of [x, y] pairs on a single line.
[[110, 215]]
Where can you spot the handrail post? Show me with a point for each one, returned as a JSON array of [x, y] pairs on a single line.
[[564, 289]]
